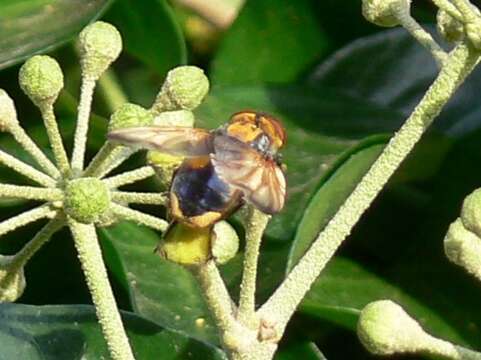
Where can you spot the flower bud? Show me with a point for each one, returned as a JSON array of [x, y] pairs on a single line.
[[450, 29], [383, 12], [164, 165], [100, 45], [384, 328], [12, 280], [181, 118], [224, 242], [41, 79], [86, 199], [8, 114], [184, 89], [463, 248], [185, 245], [130, 115], [471, 212]]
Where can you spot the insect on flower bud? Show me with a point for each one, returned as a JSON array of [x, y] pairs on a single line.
[[12, 280], [86, 199], [185, 245], [225, 242], [8, 114], [384, 328], [383, 12], [450, 29], [184, 89], [41, 79], [463, 248], [130, 115], [100, 45], [180, 118], [471, 212], [165, 166]]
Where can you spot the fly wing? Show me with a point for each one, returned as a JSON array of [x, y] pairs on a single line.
[[178, 141], [261, 180]]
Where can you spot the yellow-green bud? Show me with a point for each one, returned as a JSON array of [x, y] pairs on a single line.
[[384, 12], [164, 165], [41, 79], [12, 280], [182, 118], [463, 248], [384, 328], [224, 242], [86, 199], [100, 44], [8, 114], [130, 115], [450, 29], [184, 89], [185, 245], [471, 212]]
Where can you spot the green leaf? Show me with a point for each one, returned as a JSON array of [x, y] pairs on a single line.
[[345, 287], [36, 26], [159, 290], [385, 70], [270, 42], [321, 125], [150, 33], [72, 332], [331, 195]]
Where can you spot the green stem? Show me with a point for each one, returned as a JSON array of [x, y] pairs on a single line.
[[282, 304], [129, 177], [139, 217], [27, 143], [90, 255], [111, 90], [80, 138], [108, 158], [26, 170], [466, 10], [55, 138], [139, 198], [25, 218], [256, 224], [30, 192], [447, 6]]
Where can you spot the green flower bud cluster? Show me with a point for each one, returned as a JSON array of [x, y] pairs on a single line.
[[184, 89], [86, 199], [462, 243], [384, 12], [12, 279], [41, 79], [8, 114], [100, 44]]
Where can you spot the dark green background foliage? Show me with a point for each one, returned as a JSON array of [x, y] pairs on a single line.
[[341, 87]]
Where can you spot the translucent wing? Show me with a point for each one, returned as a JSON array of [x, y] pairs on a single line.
[[172, 140], [261, 180]]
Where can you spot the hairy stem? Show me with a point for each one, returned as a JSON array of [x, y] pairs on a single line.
[[139, 198], [27, 143], [108, 158], [26, 170], [38, 241], [447, 6], [90, 255], [282, 304], [466, 9], [130, 177], [26, 218], [55, 138], [256, 224], [30, 192], [139, 217], [216, 295], [80, 139]]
